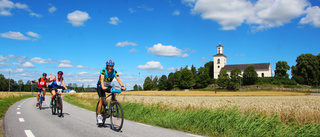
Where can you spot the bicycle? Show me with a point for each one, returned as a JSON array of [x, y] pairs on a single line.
[[114, 111], [40, 99], [57, 102]]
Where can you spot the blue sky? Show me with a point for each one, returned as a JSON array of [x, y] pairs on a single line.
[[150, 37]]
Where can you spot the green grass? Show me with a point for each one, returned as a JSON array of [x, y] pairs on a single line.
[[220, 122]]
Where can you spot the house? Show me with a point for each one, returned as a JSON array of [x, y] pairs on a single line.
[[220, 62]]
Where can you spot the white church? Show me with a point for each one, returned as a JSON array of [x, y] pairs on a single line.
[[220, 62]]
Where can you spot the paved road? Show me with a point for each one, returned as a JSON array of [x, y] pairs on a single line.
[[25, 119]]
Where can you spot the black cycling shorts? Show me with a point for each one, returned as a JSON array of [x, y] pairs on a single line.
[[40, 89], [102, 93]]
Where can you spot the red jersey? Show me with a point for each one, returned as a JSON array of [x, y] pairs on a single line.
[[42, 82]]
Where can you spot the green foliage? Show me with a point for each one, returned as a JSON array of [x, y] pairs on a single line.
[[235, 79], [250, 76], [137, 88], [177, 78], [163, 82], [307, 69], [170, 82], [223, 79], [281, 69], [209, 66], [202, 78], [186, 79], [147, 85]]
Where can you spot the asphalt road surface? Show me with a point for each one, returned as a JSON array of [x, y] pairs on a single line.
[[24, 119]]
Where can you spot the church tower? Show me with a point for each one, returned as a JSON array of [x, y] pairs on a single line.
[[219, 61]]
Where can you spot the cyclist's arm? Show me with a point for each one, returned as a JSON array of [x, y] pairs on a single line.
[[102, 82], [50, 80], [35, 81], [64, 85], [120, 83]]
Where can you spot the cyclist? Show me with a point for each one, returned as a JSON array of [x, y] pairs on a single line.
[[42, 85], [57, 82], [107, 74]]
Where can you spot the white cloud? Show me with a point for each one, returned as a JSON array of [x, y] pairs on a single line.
[[145, 7], [171, 69], [125, 43], [176, 13], [131, 10], [52, 8], [39, 60], [167, 51], [133, 50], [152, 65], [83, 67], [260, 15], [32, 34], [27, 65], [7, 58], [77, 18], [64, 65], [114, 20], [6, 6], [14, 35], [312, 17]]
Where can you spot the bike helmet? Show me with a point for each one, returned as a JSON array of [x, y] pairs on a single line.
[[44, 74], [110, 62], [60, 73]]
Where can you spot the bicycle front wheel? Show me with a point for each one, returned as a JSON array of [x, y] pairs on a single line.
[[59, 107], [53, 109], [116, 117], [40, 102]]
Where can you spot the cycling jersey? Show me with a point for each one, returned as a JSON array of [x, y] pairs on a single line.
[[57, 83], [42, 82], [108, 77]]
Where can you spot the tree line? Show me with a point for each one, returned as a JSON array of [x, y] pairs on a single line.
[[305, 72]]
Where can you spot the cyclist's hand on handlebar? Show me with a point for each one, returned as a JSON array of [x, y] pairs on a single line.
[[104, 88], [123, 88]]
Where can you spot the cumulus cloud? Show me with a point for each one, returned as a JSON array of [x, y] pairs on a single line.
[[7, 6], [83, 67], [65, 65], [167, 51], [14, 35], [152, 65], [7, 58], [52, 8], [32, 34], [133, 50], [125, 43], [77, 18], [27, 65], [260, 15], [114, 20], [312, 17]]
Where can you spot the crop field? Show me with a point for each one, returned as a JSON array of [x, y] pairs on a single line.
[[289, 106]]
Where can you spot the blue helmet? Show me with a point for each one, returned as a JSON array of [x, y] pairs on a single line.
[[110, 62]]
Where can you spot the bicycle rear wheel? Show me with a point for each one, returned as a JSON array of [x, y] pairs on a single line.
[[116, 117], [103, 114], [59, 109]]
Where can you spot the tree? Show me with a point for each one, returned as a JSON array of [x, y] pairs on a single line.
[[186, 78], [203, 79], [147, 85], [307, 69], [170, 81], [281, 69], [155, 83], [234, 78], [163, 82], [3, 83], [20, 84], [194, 72], [223, 78], [177, 78], [250, 76], [209, 65]]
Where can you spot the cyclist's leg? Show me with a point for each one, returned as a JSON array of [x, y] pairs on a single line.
[[102, 96], [44, 92]]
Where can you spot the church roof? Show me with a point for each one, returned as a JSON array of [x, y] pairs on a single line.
[[259, 66]]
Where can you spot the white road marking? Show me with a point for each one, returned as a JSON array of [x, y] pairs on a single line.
[[143, 125], [18, 113], [18, 108], [21, 119], [28, 133]]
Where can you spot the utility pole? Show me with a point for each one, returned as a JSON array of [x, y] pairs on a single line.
[[138, 84], [9, 82]]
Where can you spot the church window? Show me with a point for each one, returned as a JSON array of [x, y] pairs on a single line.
[[262, 74], [218, 61]]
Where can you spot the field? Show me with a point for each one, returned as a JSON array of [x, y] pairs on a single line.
[[289, 106]]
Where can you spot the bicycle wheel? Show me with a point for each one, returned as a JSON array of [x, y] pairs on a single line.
[[103, 114], [59, 109], [40, 102], [116, 117], [54, 108]]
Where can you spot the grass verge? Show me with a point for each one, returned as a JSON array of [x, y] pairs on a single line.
[[223, 121], [5, 103]]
